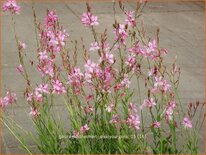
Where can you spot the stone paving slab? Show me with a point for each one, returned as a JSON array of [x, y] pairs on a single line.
[[181, 31]]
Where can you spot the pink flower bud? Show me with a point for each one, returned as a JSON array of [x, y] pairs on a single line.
[[20, 68]]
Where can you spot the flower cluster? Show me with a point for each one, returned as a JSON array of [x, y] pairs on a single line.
[[148, 103], [58, 87], [120, 33], [170, 110], [52, 36], [34, 112], [12, 7], [76, 79], [83, 130], [133, 119], [8, 99], [130, 21], [37, 95], [88, 19], [187, 123]]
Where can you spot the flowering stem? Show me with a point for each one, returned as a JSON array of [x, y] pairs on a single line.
[[19, 51], [94, 34], [95, 38], [35, 24]]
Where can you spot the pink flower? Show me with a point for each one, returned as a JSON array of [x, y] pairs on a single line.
[[131, 60], [11, 6], [43, 88], [121, 33], [58, 87], [43, 55], [132, 108], [20, 68], [169, 113], [84, 128], [62, 35], [75, 134], [22, 45], [90, 66], [29, 97], [133, 121], [110, 107], [169, 110], [172, 104], [49, 70], [89, 97], [34, 112], [91, 70], [161, 84], [158, 81], [51, 18], [88, 19], [76, 79], [116, 47], [106, 75], [108, 57], [105, 46], [187, 123], [165, 86], [53, 42], [125, 82], [152, 45], [38, 97], [45, 67], [150, 50], [114, 119], [136, 49], [130, 21], [56, 40], [156, 124], [154, 90], [8, 99], [152, 72], [94, 47], [148, 103]]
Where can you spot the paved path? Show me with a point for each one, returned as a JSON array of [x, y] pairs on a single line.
[[181, 31]]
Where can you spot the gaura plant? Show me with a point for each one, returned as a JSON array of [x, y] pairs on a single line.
[[105, 113]]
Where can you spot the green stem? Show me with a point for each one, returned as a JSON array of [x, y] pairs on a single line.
[[17, 137]]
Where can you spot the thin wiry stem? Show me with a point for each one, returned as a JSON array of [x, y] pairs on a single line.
[[35, 24]]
